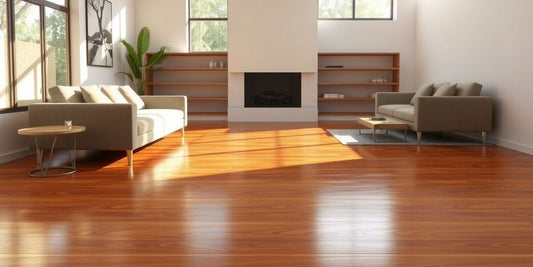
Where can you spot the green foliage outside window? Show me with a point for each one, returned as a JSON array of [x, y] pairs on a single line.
[[364, 9], [208, 25], [28, 27], [56, 39]]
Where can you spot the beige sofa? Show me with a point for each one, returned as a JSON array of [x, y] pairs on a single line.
[[120, 122], [442, 107]]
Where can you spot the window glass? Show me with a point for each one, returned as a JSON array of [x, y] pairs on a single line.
[[57, 68], [335, 9], [209, 36], [4, 63], [209, 9], [355, 9], [208, 25], [58, 2], [28, 73], [373, 9]]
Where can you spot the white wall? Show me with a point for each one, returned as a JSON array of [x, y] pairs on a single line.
[[14, 146], [376, 36], [272, 36], [485, 41], [167, 21]]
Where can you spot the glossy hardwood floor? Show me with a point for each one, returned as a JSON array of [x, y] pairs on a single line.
[[272, 194]]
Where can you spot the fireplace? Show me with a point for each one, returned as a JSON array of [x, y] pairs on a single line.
[[272, 89]]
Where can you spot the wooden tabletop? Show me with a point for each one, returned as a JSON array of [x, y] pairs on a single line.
[[51, 130], [382, 124]]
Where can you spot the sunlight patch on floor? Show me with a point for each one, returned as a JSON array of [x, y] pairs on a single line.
[[208, 152]]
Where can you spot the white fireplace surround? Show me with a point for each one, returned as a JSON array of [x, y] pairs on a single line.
[[272, 36]]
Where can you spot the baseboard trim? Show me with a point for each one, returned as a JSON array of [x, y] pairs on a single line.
[[16, 155], [513, 146], [509, 145]]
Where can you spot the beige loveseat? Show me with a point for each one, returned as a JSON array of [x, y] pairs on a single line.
[[116, 118], [440, 107]]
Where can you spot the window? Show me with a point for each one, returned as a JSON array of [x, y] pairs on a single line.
[[34, 51], [355, 9], [208, 25]]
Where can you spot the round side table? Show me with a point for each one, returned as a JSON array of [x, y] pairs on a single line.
[[53, 130]]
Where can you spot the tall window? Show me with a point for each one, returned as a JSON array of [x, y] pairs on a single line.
[[355, 9], [34, 50], [208, 25]]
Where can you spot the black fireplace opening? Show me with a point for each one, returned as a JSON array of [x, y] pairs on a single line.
[[273, 89]]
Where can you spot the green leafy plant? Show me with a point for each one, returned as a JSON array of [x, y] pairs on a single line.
[[135, 57]]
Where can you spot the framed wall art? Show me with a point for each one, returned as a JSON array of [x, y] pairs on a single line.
[[99, 33]]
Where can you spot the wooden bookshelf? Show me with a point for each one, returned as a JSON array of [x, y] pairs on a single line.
[[194, 75], [351, 75]]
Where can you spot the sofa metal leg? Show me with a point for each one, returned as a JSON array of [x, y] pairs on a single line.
[[129, 153], [418, 137], [484, 137]]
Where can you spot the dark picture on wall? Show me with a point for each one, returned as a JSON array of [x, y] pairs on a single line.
[[99, 34]]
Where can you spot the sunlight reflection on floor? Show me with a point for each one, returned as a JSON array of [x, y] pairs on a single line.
[[229, 152]]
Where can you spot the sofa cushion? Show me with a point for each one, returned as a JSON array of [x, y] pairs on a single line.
[[93, 94], [65, 94], [406, 113], [389, 109], [424, 90], [159, 121], [468, 89], [447, 89], [131, 96], [112, 92]]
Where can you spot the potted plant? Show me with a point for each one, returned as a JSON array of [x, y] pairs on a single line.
[[135, 57]]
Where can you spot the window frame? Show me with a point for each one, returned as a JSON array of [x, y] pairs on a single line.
[[353, 13], [189, 19], [11, 50]]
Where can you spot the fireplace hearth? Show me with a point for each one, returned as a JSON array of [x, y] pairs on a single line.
[[273, 89]]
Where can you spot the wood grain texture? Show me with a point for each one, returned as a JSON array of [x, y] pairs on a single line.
[[272, 194]]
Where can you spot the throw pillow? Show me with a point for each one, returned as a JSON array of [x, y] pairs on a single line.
[[131, 96], [447, 89], [112, 92], [468, 89], [65, 94], [424, 90], [93, 94]]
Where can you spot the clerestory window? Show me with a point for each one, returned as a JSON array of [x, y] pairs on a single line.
[[208, 25], [355, 9]]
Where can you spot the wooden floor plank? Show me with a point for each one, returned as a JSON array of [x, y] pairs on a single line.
[[272, 194]]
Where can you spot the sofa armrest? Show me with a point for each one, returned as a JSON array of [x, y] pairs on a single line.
[[167, 102], [386, 98], [453, 113], [108, 125]]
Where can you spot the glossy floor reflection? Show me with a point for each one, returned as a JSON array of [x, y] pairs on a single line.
[[265, 194]]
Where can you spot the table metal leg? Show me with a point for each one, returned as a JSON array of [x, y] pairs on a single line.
[[42, 168]]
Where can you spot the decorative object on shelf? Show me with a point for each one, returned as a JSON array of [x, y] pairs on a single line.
[[331, 96], [135, 58], [379, 80], [99, 33]]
